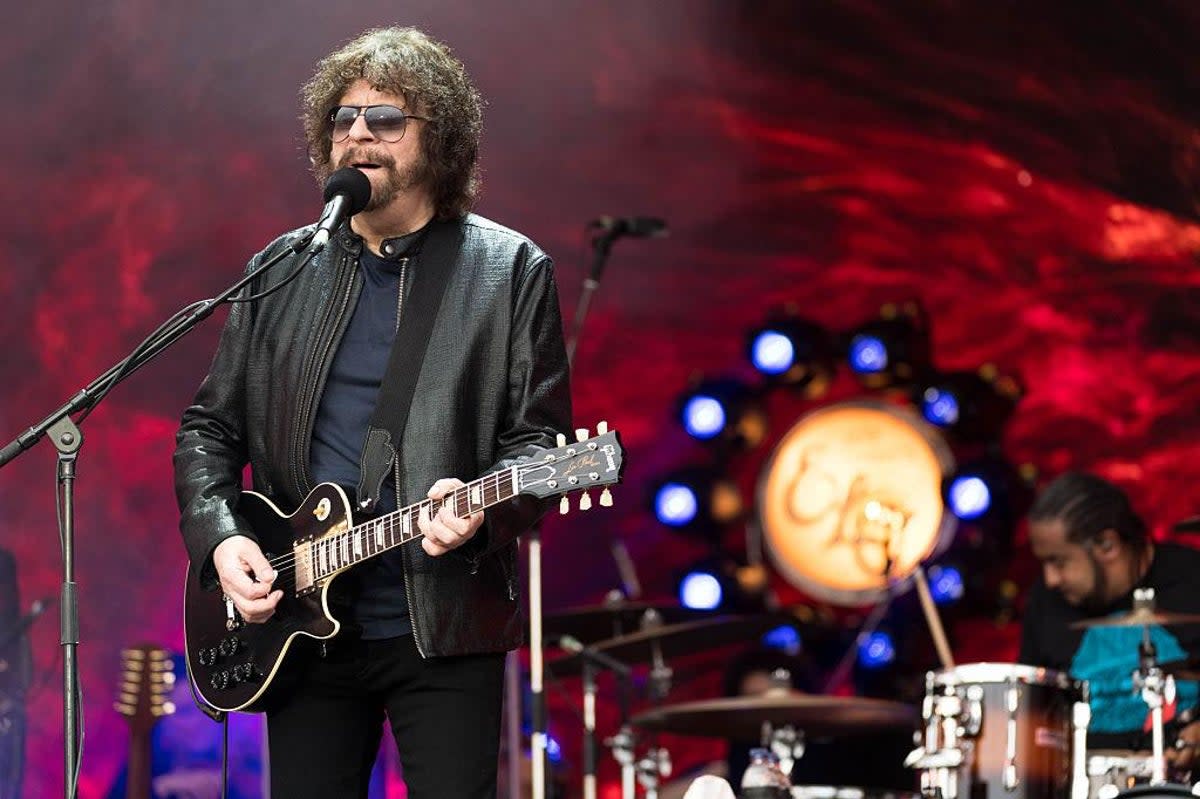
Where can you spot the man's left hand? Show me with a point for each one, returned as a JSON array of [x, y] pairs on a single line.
[[445, 531]]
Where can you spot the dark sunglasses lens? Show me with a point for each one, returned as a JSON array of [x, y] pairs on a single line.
[[343, 120], [386, 122]]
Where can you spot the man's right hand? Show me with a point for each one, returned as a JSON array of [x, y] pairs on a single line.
[[246, 578]]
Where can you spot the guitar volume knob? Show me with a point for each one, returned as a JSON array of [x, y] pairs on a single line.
[[220, 680], [230, 646], [207, 656]]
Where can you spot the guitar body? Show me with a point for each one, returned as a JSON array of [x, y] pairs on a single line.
[[236, 666], [239, 669]]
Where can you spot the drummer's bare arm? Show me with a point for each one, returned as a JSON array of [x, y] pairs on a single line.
[[1187, 745]]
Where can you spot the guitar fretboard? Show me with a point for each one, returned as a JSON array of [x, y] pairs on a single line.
[[338, 551]]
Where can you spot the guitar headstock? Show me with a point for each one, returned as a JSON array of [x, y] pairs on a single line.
[[147, 677], [590, 462]]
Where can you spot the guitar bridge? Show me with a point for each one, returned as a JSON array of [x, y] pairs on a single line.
[[303, 553]]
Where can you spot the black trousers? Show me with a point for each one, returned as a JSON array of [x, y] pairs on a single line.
[[444, 712]]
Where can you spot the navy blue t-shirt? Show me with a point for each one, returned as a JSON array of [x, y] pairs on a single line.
[[341, 425]]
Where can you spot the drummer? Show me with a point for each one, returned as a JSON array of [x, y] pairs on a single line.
[[1094, 551]]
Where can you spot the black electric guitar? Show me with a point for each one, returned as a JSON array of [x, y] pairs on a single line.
[[143, 699], [235, 665]]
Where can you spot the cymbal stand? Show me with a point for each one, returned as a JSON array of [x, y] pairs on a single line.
[[785, 742], [622, 746], [592, 660], [1156, 687], [654, 766]]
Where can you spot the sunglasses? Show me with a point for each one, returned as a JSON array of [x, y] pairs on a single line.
[[386, 122]]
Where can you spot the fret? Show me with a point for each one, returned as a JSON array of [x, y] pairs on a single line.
[[405, 526], [378, 525], [322, 560], [358, 547], [344, 541], [513, 477]]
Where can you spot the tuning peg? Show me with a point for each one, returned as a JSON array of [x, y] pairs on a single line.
[[581, 434], [585, 501], [606, 498], [564, 505], [601, 428], [562, 440]]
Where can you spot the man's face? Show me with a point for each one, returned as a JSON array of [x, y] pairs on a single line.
[[1068, 567], [392, 167]]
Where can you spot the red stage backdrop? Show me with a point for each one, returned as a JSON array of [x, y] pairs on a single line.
[[1028, 173]]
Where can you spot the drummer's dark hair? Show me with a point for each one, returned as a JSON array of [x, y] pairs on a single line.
[[1088, 505]]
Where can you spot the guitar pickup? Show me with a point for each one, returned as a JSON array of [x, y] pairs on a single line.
[[302, 551]]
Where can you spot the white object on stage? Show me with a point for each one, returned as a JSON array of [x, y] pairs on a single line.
[[709, 787]]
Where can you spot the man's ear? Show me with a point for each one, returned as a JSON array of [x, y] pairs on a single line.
[[1108, 544]]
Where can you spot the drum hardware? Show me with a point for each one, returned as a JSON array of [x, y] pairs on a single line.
[[652, 644], [654, 766], [613, 618], [592, 660], [996, 730], [1155, 687], [622, 746], [656, 643]]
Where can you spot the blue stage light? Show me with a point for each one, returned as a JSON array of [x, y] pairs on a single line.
[[675, 504], [945, 584], [940, 407], [876, 651], [784, 637], [700, 590], [868, 354], [969, 497], [772, 352], [554, 751], [704, 417]]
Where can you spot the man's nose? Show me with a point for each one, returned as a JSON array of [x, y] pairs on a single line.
[[1051, 576], [359, 131]]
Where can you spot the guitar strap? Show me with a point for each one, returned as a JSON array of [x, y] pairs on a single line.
[[434, 262]]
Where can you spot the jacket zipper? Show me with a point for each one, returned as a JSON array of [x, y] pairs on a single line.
[[409, 595], [300, 465]]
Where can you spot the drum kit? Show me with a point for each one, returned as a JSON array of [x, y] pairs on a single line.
[[984, 731]]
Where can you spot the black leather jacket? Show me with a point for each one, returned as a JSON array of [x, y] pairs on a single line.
[[493, 388]]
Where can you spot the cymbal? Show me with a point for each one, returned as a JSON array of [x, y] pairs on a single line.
[[590, 623], [1138, 618], [742, 717], [673, 640]]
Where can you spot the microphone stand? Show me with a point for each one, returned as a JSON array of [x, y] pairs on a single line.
[[68, 439], [601, 247]]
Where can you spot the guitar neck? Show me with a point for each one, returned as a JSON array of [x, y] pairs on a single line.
[[138, 773], [341, 550]]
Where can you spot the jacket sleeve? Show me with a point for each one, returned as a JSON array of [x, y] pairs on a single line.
[[210, 448], [539, 397]]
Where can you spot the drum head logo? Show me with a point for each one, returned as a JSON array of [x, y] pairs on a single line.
[[852, 497]]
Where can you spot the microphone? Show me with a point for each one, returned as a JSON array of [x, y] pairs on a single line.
[[347, 192], [638, 227]]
